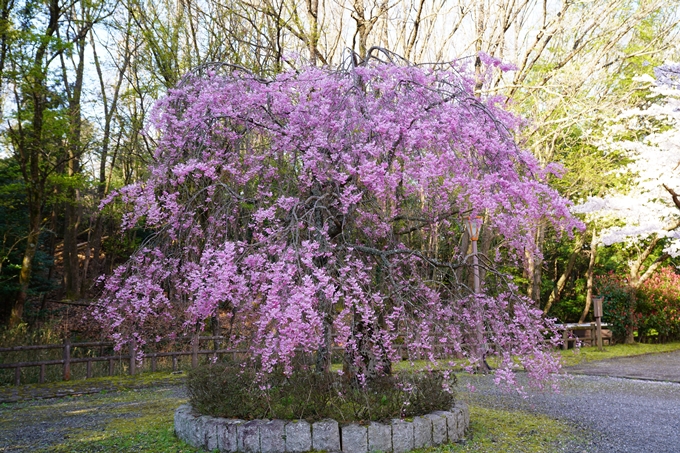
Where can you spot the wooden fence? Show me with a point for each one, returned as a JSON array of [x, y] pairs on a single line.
[[130, 358], [132, 354]]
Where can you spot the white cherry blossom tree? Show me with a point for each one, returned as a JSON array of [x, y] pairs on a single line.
[[645, 218]]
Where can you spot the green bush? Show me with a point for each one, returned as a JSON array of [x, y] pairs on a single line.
[[234, 391], [617, 305], [656, 306], [659, 306]]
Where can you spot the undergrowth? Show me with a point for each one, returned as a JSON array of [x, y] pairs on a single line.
[[235, 392]]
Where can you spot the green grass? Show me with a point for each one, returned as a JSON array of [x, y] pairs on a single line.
[[572, 356], [85, 386], [145, 427], [130, 421], [589, 354], [495, 431], [151, 431], [138, 417], [140, 420]]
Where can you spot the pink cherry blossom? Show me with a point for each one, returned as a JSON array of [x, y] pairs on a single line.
[[326, 206]]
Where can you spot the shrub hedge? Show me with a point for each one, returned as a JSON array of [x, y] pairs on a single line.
[[656, 305], [234, 391]]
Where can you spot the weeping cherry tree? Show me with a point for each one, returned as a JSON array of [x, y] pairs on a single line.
[[323, 209]]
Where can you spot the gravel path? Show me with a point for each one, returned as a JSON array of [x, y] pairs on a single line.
[[38, 425], [617, 413], [621, 414]]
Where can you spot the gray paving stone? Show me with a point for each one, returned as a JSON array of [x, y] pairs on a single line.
[[227, 435], [192, 431], [402, 436], [379, 437], [462, 414], [248, 435], [326, 435], [181, 421], [276, 436], [354, 438], [439, 430], [298, 436], [210, 427], [204, 431], [272, 436], [466, 416], [451, 425], [422, 432]]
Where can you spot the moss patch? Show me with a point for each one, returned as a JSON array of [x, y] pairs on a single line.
[[10, 393], [137, 421], [494, 431]]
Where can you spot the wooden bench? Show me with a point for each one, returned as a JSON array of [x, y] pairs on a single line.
[[584, 333]]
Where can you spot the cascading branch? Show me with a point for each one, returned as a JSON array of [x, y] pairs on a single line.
[[322, 208]]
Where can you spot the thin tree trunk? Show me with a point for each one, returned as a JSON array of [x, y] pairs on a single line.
[[589, 277], [562, 281], [313, 40], [637, 277], [533, 267], [73, 208], [29, 146], [630, 332], [17, 313], [109, 111], [485, 241], [84, 282]]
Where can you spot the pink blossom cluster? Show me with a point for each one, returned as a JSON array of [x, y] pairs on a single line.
[[323, 208]]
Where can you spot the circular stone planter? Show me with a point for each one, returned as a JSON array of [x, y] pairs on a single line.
[[279, 436]]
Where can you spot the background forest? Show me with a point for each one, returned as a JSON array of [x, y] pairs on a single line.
[[594, 80]]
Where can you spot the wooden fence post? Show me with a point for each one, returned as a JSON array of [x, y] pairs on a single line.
[[67, 359], [133, 358], [194, 351]]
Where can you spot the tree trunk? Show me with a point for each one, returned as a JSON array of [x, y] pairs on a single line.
[[477, 338], [109, 109], [71, 265], [17, 313], [533, 267], [313, 40], [562, 281], [630, 331], [485, 240], [589, 277], [73, 208], [637, 277], [29, 147]]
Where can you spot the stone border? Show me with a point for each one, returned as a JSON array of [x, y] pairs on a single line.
[[298, 436]]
